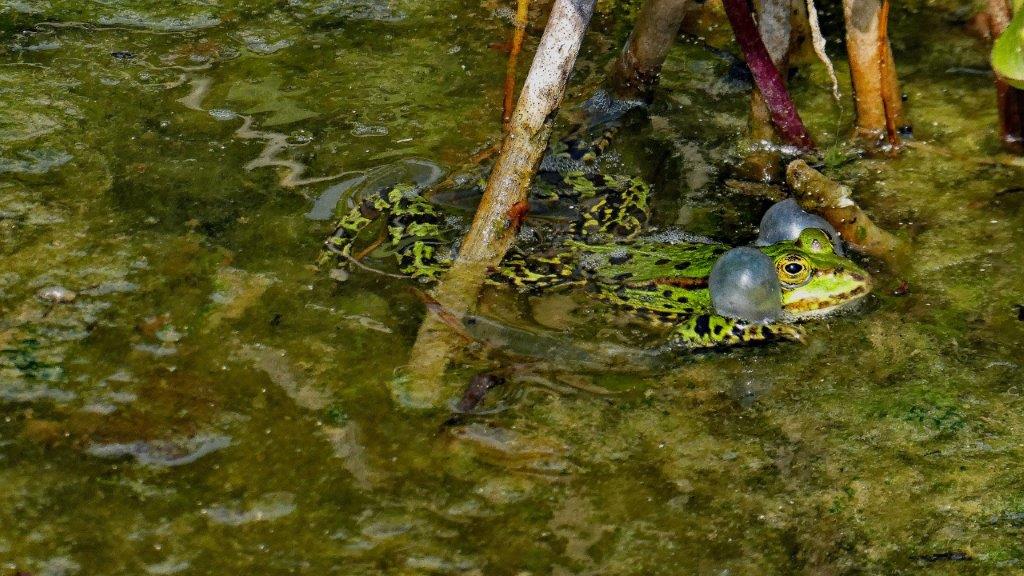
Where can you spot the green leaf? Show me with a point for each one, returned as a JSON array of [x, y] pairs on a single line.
[[1008, 52]]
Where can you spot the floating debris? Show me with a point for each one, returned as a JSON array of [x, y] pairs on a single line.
[[477, 390], [268, 507], [163, 453], [223, 114], [56, 294]]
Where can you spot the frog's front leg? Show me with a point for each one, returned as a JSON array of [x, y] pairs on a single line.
[[709, 330]]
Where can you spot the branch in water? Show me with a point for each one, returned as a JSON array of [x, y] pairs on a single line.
[[767, 77], [496, 221], [818, 193]]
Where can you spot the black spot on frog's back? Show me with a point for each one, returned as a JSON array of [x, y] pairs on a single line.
[[682, 265], [703, 325]]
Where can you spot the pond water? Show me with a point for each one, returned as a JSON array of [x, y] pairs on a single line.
[[183, 392]]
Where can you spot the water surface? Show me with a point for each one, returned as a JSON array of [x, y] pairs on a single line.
[[207, 402]]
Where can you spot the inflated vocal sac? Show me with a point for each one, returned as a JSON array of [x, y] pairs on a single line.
[[786, 220], [745, 285]]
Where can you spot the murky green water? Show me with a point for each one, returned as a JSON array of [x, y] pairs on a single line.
[[209, 403]]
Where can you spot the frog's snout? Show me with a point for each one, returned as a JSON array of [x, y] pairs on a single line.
[[853, 285], [863, 283]]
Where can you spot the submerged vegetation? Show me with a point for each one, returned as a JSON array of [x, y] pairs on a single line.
[[182, 391]]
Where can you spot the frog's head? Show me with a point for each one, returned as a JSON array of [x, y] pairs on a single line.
[[814, 279]]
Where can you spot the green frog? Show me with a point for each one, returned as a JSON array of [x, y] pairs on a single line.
[[663, 279]]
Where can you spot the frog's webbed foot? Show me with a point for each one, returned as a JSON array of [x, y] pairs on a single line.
[[415, 232], [710, 330]]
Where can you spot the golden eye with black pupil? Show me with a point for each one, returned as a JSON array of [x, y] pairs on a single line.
[[793, 270]]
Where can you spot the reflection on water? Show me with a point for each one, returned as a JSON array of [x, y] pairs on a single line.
[[182, 392]]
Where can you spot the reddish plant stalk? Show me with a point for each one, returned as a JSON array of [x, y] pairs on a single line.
[[884, 57], [522, 15], [1010, 101], [766, 76]]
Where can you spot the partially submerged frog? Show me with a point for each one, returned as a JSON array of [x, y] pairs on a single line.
[[711, 294]]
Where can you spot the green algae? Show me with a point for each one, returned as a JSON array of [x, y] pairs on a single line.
[[209, 403]]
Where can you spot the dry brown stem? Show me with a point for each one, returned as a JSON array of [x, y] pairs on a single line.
[[890, 100]]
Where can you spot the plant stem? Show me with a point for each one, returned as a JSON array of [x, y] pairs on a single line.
[[522, 14], [493, 229], [1009, 100], [767, 77], [873, 70], [635, 72]]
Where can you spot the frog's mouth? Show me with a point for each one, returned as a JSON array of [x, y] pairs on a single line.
[[827, 293]]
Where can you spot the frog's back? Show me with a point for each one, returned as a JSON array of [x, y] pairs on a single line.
[[643, 261], [662, 280]]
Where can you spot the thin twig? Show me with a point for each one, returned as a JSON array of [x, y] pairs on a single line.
[[443, 314], [373, 246], [362, 266], [486, 153], [522, 17]]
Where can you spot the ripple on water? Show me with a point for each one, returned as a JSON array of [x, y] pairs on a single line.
[[223, 114], [136, 20], [378, 10], [260, 45], [163, 453], [39, 161], [171, 565], [13, 389], [267, 507]]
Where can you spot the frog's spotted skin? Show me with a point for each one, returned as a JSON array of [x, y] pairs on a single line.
[[415, 233], [667, 283], [620, 210], [418, 232]]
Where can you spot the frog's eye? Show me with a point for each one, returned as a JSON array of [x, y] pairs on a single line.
[[793, 269]]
